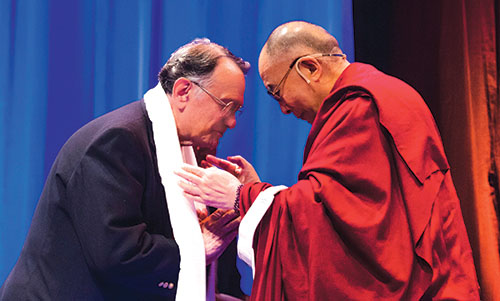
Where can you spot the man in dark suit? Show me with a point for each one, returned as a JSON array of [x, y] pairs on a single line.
[[105, 223]]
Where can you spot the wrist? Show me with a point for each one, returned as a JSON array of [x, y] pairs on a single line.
[[236, 205]]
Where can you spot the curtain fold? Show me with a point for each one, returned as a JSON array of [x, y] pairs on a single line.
[[23, 97], [449, 51], [468, 105]]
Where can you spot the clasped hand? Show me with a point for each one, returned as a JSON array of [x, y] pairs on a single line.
[[213, 186], [217, 188], [219, 229]]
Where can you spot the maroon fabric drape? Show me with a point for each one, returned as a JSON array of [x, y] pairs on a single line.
[[449, 51]]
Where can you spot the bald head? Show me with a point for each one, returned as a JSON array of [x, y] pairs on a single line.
[[300, 88], [293, 37]]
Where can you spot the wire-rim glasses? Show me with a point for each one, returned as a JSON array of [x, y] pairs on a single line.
[[227, 107], [275, 92]]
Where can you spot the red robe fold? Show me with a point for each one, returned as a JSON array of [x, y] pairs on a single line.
[[374, 214]]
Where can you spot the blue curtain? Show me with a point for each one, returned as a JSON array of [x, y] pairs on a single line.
[[62, 63]]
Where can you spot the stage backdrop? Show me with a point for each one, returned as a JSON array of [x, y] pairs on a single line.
[[63, 63], [450, 52]]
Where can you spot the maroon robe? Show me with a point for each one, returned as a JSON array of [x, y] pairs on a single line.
[[374, 214]]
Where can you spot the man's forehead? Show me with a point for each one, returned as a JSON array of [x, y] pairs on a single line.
[[228, 81], [226, 68], [269, 65]]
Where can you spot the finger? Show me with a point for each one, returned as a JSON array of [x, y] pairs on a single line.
[[189, 188], [233, 224], [216, 215], [223, 164], [217, 221], [202, 215], [211, 221], [187, 176], [220, 230], [237, 171], [214, 221], [198, 199], [228, 216], [205, 164], [193, 169], [213, 160], [193, 198], [239, 160]]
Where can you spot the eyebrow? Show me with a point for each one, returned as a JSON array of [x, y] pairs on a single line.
[[228, 99]]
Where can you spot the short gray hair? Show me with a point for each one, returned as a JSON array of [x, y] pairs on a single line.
[[196, 61]]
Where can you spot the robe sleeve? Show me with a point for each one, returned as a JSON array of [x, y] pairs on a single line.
[[105, 195], [342, 220]]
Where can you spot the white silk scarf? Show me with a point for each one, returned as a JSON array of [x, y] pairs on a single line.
[[250, 221], [183, 217]]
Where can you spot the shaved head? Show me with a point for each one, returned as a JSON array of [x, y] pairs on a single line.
[[296, 36], [298, 69]]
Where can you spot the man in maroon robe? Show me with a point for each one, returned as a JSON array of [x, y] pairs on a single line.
[[374, 214]]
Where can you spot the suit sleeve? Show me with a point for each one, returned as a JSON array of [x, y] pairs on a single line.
[[105, 196]]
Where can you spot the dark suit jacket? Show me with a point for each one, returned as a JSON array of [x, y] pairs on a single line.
[[101, 229]]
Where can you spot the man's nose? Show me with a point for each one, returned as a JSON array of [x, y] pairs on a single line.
[[230, 121], [285, 109]]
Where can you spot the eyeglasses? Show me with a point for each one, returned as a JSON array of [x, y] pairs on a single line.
[[275, 92], [228, 108]]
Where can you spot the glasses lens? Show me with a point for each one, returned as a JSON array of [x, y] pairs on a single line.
[[239, 112], [273, 93], [232, 109]]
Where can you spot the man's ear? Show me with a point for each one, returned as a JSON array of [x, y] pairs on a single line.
[[181, 92], [311, 67]]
